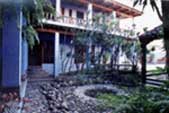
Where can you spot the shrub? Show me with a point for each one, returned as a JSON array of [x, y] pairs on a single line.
[[147, 102]]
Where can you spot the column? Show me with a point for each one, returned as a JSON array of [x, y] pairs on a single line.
[[114, 14], [58, 8], [11, 48], [57, 62], [90, 13], [24, 57], [143, 63]]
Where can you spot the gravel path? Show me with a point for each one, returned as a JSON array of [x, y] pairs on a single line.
[[54, 97]]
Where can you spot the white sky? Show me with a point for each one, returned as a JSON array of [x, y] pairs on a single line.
[[148, 19]]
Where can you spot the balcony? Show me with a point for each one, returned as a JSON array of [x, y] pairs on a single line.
[[65, 20], [78, 23]]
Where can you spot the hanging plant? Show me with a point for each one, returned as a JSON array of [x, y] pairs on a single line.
[[31, 35], [33, 12]]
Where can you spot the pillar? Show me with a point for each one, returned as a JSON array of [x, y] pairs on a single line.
[[11, 48], [24, 57], [90, 13], [58, 8], [57, 59], [143, 63], [114, 14]]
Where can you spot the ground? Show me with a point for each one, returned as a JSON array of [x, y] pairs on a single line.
[[61, 96], [55, 97]]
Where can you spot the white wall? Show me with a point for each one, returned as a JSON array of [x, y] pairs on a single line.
[[49, 68], [66, 12]]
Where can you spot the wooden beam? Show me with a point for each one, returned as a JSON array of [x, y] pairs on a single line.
[[107, 9], [53, 31]]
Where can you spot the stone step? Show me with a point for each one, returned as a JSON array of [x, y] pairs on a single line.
[[37, 71]]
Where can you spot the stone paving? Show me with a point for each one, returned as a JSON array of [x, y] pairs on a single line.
[[54, 97]]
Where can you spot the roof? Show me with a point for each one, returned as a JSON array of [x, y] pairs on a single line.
[[151, 35], [117, 6], [123, 11]]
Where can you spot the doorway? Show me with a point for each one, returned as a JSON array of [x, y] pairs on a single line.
[[42, 53]]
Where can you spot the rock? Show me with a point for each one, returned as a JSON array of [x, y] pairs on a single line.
[[65, 106]]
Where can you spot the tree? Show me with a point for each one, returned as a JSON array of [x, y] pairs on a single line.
[[108, 45], [164, 17]]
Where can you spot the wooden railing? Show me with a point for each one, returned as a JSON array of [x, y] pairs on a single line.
[[65, 19]]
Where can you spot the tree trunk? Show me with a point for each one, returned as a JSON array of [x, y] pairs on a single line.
[[87, 58], [165, 11], [143, 63]]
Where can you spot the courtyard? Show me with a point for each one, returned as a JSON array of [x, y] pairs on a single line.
[[84, 56]]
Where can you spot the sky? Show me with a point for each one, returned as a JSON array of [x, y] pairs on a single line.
[[149, 18]]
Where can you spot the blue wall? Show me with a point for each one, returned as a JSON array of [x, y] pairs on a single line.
[[11, 49]]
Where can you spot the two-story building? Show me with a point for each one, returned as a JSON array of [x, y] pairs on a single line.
[[55, 37]]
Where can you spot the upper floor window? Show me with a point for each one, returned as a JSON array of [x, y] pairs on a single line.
[[80, 15], [63, 11], [70, 13]]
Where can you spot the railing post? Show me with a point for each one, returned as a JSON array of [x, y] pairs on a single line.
[[90, 13], [58, 8], [57, 63]]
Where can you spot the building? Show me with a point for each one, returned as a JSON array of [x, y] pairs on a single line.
[[55, 41]]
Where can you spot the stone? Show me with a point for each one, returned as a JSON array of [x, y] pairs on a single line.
[[65, 106]]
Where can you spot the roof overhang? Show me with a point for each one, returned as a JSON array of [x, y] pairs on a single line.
[[123, 11]]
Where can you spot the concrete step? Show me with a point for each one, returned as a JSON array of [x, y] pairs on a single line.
[[37, 72]]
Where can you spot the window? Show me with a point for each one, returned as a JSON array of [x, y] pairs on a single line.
[[63, 11], [80, 15], [70, 13], [48, 52]]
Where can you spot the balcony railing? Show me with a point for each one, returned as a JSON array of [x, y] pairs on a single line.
[[78, 22], [66, 19]]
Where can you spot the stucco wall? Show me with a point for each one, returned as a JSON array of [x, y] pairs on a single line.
[[49, 68], [11, 49]]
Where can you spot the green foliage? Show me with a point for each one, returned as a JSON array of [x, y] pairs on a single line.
[[31, 35], [33, 12], [111, 100], [158, 70], [145, 102], [100, 35], [165, 85]]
